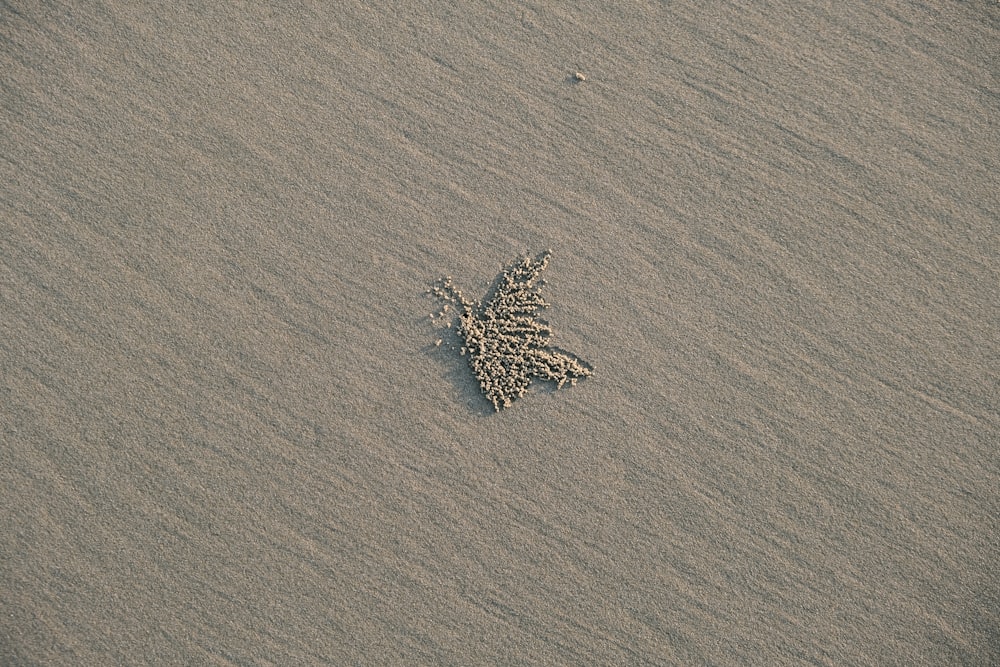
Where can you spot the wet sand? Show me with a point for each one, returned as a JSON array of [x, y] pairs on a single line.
[[228, 436]]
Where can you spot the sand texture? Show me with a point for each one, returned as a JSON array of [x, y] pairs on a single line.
[[227, 433], [506, 339]]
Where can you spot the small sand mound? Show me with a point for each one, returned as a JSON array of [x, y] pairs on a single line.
[[506, 343]]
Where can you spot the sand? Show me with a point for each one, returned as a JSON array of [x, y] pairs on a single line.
[[228, 436], [505, 336]]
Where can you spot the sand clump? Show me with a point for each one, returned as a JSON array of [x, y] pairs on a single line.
[[507, 345]]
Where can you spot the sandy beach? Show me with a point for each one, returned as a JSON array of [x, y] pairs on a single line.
[[229, 436]]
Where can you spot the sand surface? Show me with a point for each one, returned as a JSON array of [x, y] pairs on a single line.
[[229, 438]]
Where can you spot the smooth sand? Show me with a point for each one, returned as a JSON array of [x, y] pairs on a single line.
[[229, 438]]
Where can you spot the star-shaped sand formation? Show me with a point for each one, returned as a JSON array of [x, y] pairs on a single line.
[[506, 343]]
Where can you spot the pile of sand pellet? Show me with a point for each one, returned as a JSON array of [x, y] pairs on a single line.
[[506, 343]]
